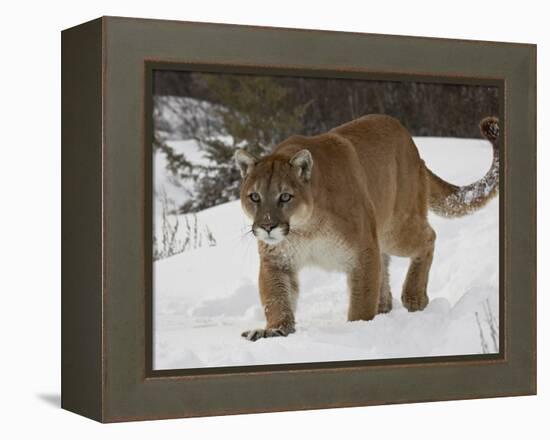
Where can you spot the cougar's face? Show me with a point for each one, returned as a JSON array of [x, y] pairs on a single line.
[[276, 198]]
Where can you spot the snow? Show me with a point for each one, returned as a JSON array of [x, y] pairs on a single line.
[[173, 114], [204, 298], [178, 191]]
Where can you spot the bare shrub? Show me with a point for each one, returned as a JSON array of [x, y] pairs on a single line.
[[176, 237], [484, 346], [492, 324], [169, 243]]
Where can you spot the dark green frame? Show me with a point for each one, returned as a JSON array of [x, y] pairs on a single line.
[[106, 201]]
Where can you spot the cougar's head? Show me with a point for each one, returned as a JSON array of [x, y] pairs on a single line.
[[276, 193]]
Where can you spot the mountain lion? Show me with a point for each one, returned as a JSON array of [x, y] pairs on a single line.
[[345, 201]]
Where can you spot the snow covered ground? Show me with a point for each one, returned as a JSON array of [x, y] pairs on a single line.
[[204, 298]]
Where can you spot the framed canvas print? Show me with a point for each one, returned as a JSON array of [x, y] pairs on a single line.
[[263, 219]]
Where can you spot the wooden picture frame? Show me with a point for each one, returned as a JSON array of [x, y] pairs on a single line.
[[106, 220]]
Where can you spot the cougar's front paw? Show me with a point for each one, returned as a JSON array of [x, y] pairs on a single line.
[[254, 335], [415, 302]]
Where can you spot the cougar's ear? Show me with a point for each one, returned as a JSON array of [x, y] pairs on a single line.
[[245, 161], [303, 161]]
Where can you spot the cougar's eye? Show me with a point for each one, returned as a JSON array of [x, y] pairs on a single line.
[[285, 197], [255, 197]]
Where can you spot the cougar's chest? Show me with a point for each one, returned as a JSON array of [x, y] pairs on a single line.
[[326, 251]]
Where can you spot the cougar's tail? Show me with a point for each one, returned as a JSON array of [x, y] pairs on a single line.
[[449, 200]]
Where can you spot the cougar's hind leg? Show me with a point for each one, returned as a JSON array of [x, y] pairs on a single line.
[[385, 301], [414, 295]]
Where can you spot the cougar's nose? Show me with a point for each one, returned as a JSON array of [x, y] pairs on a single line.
[[268, 226]]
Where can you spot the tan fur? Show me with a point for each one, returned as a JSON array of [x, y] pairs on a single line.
[[360, 193]]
